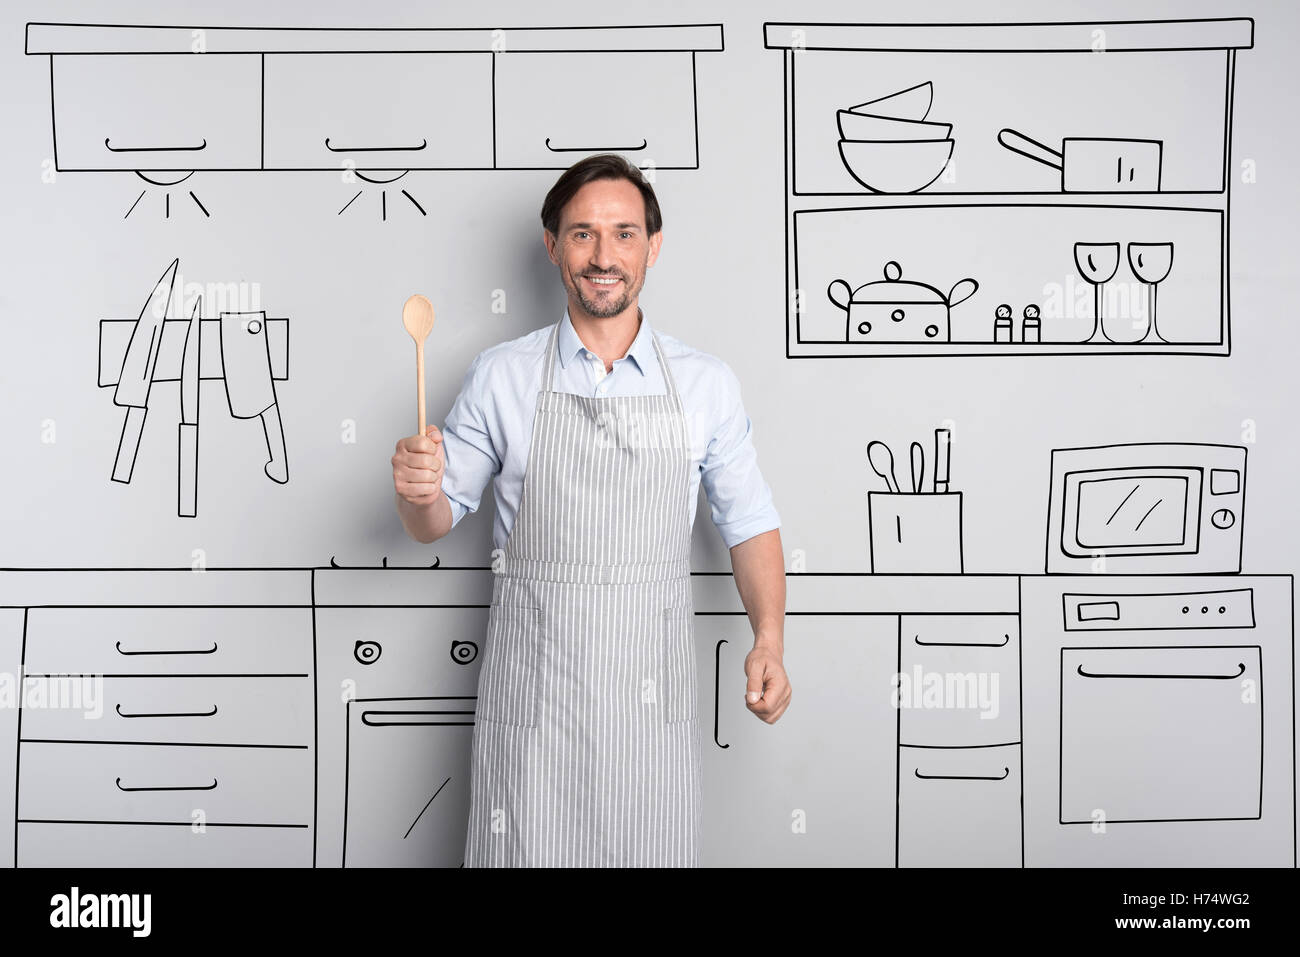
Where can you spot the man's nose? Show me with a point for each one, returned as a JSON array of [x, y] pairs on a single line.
[[602, 255]]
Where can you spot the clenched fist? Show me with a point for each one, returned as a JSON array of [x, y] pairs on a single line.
[[418, 466]]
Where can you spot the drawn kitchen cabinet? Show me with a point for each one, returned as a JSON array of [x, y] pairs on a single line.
[[959, 807], [12, 621], [167, 725], [131, 782], [652, 124], [156, 113], [396, 688], [1105, 175], [963, 680], [379, 112], [56, 844], [816, 787]]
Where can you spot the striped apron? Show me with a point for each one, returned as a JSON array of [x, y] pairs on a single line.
[[586, 749]]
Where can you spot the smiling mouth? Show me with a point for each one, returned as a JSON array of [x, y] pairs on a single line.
[[603, 282]]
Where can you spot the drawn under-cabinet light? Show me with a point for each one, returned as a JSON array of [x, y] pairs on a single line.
[[375, 179], [134, 354], [165, 181]]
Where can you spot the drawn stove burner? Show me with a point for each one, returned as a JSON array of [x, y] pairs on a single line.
[[155, 351]]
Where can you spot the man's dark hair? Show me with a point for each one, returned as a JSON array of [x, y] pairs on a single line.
[[600, 166]]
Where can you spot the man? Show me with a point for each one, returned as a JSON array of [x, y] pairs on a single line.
[[597, 432]]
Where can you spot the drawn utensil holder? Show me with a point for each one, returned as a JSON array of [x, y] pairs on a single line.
[[915, 533]]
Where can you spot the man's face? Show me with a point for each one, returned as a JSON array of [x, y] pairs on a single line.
[[602, 249]]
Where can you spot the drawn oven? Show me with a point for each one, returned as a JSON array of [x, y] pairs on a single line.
[[1147, 509], [423, 743]]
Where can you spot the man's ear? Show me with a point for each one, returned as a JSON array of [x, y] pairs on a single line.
[[549, 239], [655, 242]]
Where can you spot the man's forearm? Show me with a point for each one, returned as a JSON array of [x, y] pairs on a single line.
[[425, 523], [758, 564]]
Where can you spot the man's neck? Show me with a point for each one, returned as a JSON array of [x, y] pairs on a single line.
[[608, 337]]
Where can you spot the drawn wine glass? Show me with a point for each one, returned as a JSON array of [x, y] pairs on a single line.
[[1151, 263], [1097, 263]]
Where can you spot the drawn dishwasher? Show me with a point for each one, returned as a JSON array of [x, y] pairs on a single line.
[[165, 102], [1099, 154]]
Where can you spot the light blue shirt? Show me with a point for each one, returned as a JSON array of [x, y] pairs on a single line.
[[489, 430]]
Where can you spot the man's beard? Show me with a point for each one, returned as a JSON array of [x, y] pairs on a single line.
[[606, 306]]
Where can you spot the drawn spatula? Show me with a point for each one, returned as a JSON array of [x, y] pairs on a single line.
[[417, 317]]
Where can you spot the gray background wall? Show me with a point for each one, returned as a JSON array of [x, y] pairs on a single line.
[[70, 259]]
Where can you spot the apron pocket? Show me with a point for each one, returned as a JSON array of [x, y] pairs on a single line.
[[507, 689], [678, 664]]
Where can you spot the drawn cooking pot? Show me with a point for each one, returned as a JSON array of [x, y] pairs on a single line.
[[895, 310]]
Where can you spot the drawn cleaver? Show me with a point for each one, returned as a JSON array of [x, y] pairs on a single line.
[[246, 361]]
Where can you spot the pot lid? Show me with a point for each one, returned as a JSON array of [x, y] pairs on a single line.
[[893, 288]]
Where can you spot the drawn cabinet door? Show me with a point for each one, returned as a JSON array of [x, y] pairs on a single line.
[[552, 109], [157, 113], [374, 111], [817, 787]]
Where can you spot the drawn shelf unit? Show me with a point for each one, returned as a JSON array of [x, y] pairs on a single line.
[[166, 101], [1008, 189]]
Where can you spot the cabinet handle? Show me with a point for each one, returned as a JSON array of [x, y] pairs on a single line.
[[584, 149], [375, 149], [152, 149], [1006, 638], [171, 651], [717, 676], [196, 787], [398, 719], [962, 777], [1241, 670], [169, 714]]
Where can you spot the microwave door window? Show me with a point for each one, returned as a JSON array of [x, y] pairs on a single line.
[[1133, 513]]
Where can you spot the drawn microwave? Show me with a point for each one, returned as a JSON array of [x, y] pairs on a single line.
[[1147, 509]]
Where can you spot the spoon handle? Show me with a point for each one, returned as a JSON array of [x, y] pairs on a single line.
[[419, 375]]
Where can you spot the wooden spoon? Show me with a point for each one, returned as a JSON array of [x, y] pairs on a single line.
[[417, 317]]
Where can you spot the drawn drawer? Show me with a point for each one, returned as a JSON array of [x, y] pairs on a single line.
[[551, 110], [142, 112], [169, 710], [960, 680], [378, 111], [165, 845], [959, 807], [175, 784], [134, 641]]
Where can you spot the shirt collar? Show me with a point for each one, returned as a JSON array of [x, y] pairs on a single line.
[[641, 351]]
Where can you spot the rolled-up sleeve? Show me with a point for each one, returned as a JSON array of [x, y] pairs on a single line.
[[739, 500], [472, 460]]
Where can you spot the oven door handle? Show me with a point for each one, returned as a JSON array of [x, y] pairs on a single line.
[[1241, 670]]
